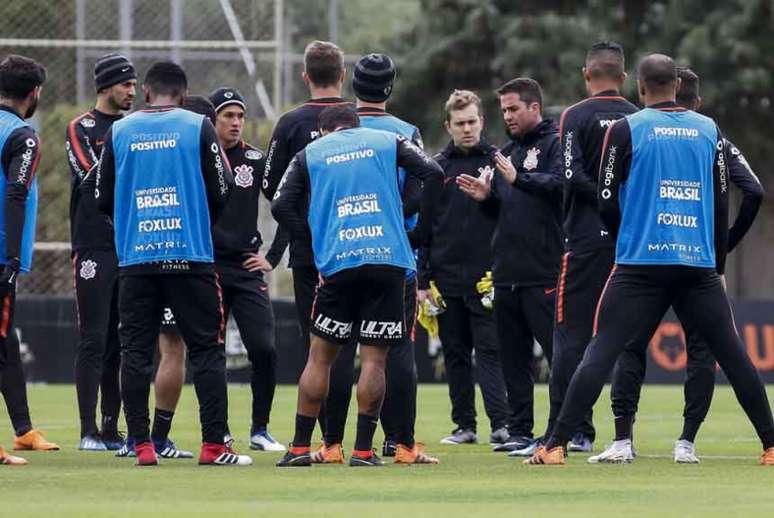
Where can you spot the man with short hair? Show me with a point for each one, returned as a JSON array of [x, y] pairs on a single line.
[[456, 257], [324, 76], [669, 251], [526, 189], [240, 265], [164, 180], [589, 251], [362, 251], [21, 81], [629, 373]]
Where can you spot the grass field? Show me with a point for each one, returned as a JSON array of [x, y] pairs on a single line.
[[471, 480]]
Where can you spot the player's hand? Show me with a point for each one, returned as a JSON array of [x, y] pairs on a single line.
[[505, 166], [477, 188], [423, 295], [257, 263], [8, 277]]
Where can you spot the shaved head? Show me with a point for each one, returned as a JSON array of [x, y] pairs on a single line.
[[658, 73]]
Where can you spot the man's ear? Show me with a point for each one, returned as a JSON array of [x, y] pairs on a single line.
[[586, 75]]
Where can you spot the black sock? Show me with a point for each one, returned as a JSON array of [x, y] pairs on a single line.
[[554, 441], [623, 427], [767, 439], [162, 422], [304, 429], [690, 429], [255, 428], [366, 427]]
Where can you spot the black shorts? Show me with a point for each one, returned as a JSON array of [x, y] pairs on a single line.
[[368, 300]]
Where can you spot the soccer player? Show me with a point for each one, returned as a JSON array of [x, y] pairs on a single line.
[[456, 257], [95, 266], [21, 81], [362, 251], [164, 180], [629, 373], [589, 252], [324, 75], [669, 249], [528, 189], [372, 83], [240, 265]]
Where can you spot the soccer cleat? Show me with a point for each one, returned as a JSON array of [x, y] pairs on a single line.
[[685, 452], [333, 454], [263, 441], [513, 443], [33, 440], [167, 450], [218, 455], [527, 451], [498, 437], [415, 455], [113, 441], [10, 460], [461, 436], [296, 457], [620, 452], [146, 455], [389, 448], [542, 456], [363, 459], [766, 459], [92, 443], [581, 444], [127, 450]]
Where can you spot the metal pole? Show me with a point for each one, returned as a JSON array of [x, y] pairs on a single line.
[[80, 58], [279, 61], [176, 27], [125, 15], [333, 20]]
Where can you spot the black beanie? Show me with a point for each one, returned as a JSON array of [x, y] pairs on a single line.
[[112, 69], [373, 77], [224, 96]]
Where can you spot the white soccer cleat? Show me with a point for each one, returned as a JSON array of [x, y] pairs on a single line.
[[685, 452], [263, 441], [620, 452]]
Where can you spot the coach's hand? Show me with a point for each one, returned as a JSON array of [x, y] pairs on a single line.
[[477, 188], [505, 166], [8, 277], [257, 263]]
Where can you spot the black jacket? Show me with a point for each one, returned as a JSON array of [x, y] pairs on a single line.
[[527, 241], [460, 248]]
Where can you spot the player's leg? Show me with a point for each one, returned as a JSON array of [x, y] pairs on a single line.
[[110, 388], [167, 388], [196, 301], [515, 341], [251, 307], [489, 370], [698, 389], [457, 344], [705, 309], [629, 311], [339, 395], [139, 307], [7, 459]]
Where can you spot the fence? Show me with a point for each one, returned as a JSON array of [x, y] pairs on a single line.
[[218, 42]]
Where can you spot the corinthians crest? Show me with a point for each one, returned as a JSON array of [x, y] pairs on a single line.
[[486, 171], [531, 162], [88, 269], [243, 175]]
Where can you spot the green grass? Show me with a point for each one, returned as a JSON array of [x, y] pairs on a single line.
[[471, 480]]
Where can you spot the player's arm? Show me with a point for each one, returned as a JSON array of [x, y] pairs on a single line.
[[417, 164], [742, 175], [278, 246], [412, 188], [105, 177], [573, 161], [292, 191], [80, 155], [218, 179], [547, 183], [20, 157], [720, 189], [613, 172], [277, 159]]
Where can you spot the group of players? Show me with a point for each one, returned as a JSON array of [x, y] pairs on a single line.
[[589, 232]]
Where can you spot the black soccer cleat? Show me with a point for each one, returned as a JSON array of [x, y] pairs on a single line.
[[295, 459], [389, 448], [373, 460]]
